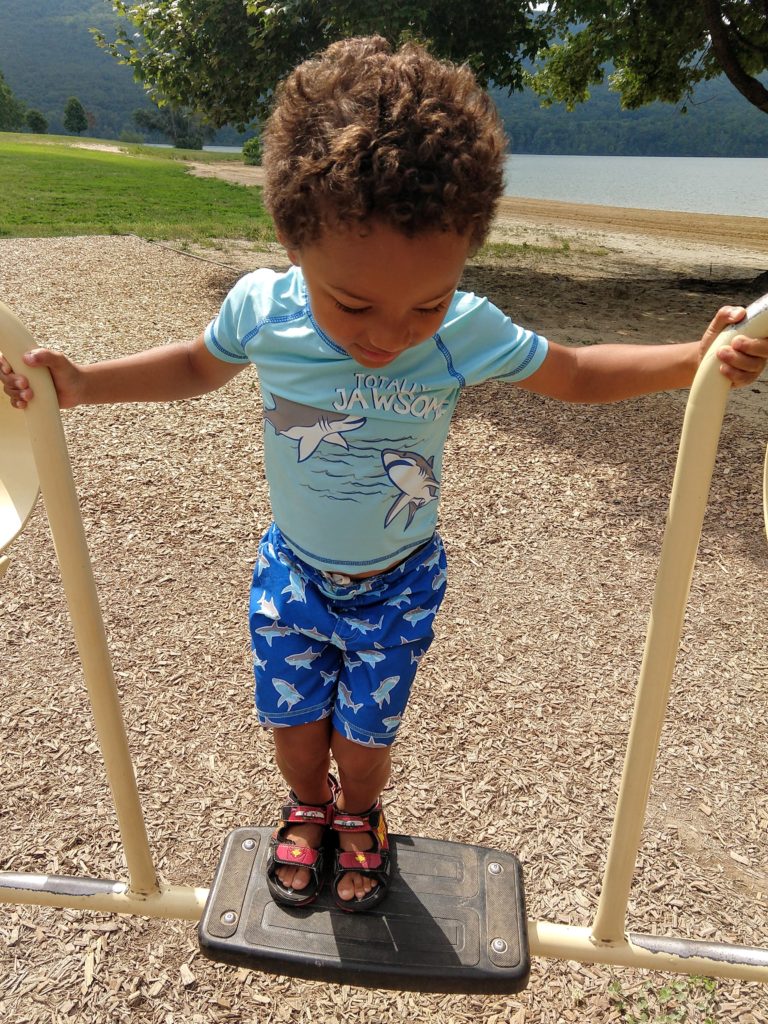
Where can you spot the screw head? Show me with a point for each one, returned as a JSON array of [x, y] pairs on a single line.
[[229, 917], [249, 844], [499, 946], [495, 868]]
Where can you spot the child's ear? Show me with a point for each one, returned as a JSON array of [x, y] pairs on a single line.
[[293, 252]]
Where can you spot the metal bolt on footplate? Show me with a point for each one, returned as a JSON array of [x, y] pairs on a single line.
[[229, 917], [499, 946], [495, 868], [249, 844]]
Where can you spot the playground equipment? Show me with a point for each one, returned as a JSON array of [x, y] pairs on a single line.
[[454, 920]]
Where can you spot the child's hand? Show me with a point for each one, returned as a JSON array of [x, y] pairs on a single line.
[[745, 358], [66, 377]]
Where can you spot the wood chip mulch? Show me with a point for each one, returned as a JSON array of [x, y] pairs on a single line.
[[552, 517]]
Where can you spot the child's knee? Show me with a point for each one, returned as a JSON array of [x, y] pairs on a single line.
[[359, 759], [304, 747]]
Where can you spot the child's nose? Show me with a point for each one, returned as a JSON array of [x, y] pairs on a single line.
[[390, 338]]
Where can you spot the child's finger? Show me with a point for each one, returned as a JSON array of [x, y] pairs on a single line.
[[740, 365], [757, 347], [725, 317], [40, 357]]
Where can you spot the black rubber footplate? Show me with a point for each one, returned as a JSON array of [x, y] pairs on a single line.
[[453, 921]]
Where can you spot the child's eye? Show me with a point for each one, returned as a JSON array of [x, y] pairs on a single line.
[[432, 309], [350, 309]]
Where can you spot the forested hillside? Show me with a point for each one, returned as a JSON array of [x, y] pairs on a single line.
[[718, 122], [47, 54]]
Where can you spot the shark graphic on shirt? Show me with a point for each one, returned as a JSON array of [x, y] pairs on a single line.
[[415, 479], [310, 426]]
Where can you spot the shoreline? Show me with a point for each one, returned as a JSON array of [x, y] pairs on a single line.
[[702, 228], [744, 233]]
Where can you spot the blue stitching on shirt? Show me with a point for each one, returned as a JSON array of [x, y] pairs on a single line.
[[318, 329], [519, 369], [271, 320], [220, 347], [449, 361]]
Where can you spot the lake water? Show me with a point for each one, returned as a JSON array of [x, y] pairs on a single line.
[[688, 184]]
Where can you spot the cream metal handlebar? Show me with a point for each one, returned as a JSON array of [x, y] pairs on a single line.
[[690, 490], [42, 456]]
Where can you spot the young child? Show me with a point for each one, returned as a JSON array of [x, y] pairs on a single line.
[[383, 170]]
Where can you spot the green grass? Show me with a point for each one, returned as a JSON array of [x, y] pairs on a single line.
[[49, 188], [557, 246], [678, 1000]]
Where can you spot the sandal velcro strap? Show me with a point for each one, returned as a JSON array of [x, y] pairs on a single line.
[[307, 814], [369, 860], [366, 822], [288, 853]]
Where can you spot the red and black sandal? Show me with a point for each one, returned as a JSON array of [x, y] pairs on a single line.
[[374, 862], [283, 853]]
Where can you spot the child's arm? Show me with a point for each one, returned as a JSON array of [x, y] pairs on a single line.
[[161, 374], [609, 373]]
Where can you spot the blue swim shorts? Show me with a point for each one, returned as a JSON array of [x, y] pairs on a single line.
[[327, 645]]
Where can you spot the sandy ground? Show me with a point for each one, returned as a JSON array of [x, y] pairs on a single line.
[[552, 517]]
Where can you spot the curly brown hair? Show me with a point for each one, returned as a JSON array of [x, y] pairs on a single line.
[[363, 132]]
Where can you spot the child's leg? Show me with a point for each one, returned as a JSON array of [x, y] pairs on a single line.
[[385, 636], [363, 774], [303, 754]]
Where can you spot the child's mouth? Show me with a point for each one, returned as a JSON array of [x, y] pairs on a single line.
[[373, 355]]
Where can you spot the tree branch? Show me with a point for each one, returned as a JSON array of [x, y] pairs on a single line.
[[749, 87]]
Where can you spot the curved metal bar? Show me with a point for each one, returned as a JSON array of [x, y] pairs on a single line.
[[49, 448], [688, 501]]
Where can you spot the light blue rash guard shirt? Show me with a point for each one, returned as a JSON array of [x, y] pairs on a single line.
[[353, 456]]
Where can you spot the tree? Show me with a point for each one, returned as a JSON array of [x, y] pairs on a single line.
[[222, 58], [184, 130], [12, 111], [75, 118], [36, 122], [659, 50]]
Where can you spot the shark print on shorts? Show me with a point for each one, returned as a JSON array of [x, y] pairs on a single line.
[[340, 647]]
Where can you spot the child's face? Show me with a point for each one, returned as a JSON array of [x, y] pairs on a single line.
[[379, 293]]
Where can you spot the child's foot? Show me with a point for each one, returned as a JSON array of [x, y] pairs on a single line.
[[302, 837], [362, 869], [352, 885], [295, 858]]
